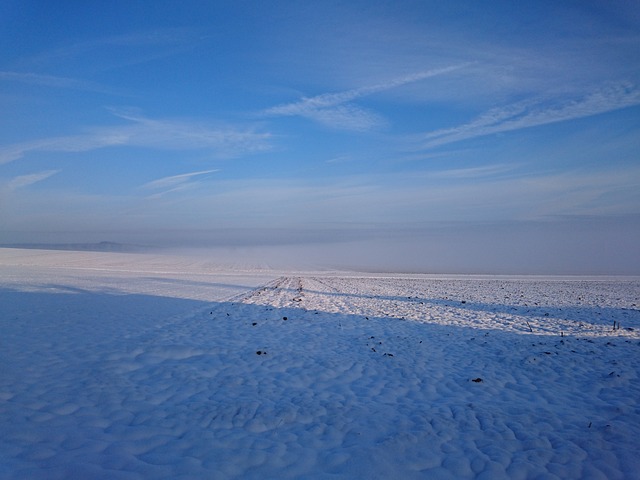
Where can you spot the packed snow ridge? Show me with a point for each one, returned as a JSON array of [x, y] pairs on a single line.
[[134, 366]]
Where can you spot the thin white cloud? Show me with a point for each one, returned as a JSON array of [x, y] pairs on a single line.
[[528, 114], [333, 99], [53, 81], [473, 172], [176, 183], [26, 180], [149, 133], [341, 159], [178, 134], [175, 180], [73, 143], [178, 188], [135, 46], [347, 117], [335, 109]]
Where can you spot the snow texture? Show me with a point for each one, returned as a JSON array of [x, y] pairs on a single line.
[[123, 366]]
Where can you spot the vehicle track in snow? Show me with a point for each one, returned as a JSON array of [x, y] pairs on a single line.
[[522, 306]]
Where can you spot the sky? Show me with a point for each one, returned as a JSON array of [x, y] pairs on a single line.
[[426, 136]]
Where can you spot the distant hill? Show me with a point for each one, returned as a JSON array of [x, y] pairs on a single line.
[[82, 247]]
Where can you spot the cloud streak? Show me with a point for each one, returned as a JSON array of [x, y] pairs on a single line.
[[149, 133], [175, 183], [532, 113], [137, 47], [26, 180], [474, 172], [176, 179], [53, 81], [336, 109]]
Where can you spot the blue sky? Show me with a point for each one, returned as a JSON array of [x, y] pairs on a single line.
[[427, 136]]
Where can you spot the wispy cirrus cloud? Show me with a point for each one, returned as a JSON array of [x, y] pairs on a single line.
[[135, 47], [474, 173], [22, 181], [180, 134], [174, 180], [532, 113], [336, 109], [163, 134], [53, 81], [175, 183]]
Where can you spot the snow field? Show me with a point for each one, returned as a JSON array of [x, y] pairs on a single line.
[[114, 374], [548, 403]]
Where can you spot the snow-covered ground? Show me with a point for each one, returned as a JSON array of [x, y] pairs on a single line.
[[141, 366]]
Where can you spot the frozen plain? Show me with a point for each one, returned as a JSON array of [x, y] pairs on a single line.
[[147, 366]]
